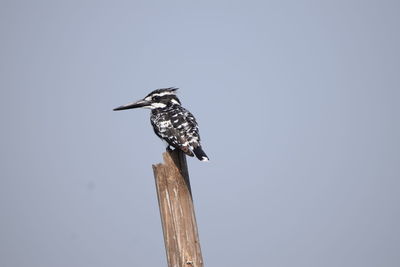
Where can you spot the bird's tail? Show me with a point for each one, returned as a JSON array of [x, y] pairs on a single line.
[[200, 154]]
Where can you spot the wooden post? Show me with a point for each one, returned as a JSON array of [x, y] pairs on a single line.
[[177, 211]]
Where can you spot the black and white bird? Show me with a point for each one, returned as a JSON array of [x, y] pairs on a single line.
[[171, 122]]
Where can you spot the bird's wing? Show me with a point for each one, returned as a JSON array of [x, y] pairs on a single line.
[[171, 130], [177, 140]]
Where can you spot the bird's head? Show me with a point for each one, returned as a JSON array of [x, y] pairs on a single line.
[[159, 98]]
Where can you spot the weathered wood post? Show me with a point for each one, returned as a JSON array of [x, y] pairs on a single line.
[[177, 211]]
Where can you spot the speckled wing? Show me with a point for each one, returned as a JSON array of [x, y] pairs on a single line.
[[178, 128]]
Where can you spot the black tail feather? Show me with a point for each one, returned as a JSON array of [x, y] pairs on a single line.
[[200, 154]]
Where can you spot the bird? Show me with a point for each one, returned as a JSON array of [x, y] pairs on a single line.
[[171, 122]]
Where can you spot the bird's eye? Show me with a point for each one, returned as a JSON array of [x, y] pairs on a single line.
[[156, 98]]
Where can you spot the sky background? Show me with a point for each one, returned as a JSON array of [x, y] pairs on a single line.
[[298, 106]]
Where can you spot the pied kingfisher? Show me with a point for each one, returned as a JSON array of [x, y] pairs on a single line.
[[171, 122]]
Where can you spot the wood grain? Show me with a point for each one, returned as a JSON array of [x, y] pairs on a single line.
[[177, 211]]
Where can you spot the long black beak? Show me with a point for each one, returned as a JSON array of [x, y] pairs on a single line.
[[138, 104]]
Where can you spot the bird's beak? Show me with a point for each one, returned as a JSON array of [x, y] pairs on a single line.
[[138, 104]]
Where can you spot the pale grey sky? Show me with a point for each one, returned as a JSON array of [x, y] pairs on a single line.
[[298, 106]]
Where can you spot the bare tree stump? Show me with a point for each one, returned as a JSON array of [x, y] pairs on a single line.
[[177, 211]]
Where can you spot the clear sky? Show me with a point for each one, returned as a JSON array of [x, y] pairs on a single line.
[[298, 106]]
